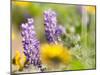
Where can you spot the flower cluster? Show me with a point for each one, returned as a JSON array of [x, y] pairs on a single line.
[[52, 30], [30, 42]]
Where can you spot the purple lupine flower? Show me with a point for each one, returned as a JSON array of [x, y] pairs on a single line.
[[50, 25], [52, 30], [30, 42], [60, 30]]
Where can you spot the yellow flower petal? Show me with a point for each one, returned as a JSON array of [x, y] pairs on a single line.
[[90, 9], [22, 4], [23, 59], [19, 60], [17, 57], [54, 54]]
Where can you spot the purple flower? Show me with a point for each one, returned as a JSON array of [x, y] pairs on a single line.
[[52, 30], [60, 30], [30, 42]]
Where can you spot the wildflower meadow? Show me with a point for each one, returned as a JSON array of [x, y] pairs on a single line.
[[52, 37]]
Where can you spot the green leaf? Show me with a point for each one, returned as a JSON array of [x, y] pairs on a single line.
[[76, 65]]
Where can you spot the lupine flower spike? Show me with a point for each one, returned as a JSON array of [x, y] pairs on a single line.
[[52, 30], [50, 53], [30, 42]]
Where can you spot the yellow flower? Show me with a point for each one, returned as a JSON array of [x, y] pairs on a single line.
[[54, 55], [19, 60], [22, 4], [90, 9]]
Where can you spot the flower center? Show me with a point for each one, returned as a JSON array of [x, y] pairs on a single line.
[[55, 60]]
